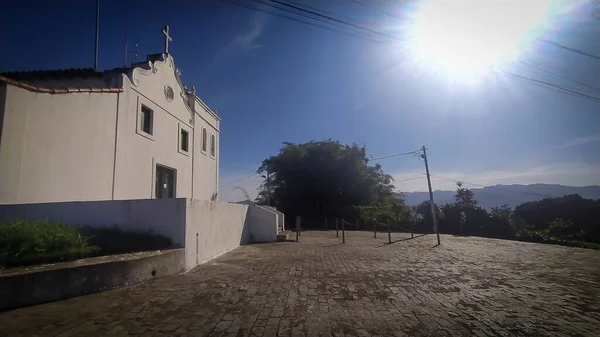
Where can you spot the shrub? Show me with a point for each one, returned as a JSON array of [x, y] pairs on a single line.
[[30, 242], [544, 236]]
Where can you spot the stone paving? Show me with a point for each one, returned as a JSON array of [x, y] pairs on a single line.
[[465, 287]]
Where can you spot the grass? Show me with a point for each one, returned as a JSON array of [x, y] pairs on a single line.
[[25, 242], [32, 242]]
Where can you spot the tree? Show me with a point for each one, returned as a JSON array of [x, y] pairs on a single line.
[[500, 223], [324, 179], [464, 197], [424, 221]]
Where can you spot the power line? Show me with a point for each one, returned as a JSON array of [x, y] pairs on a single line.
[[558, 75], [329, 17], [553, 86], [353, 34], [376, 9], [409, 179], [235, 181], [545, 84], [394, 155], [569, 48], [313, 18]]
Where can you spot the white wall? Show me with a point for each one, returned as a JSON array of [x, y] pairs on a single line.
[[86, 146], [262, 223], [138, 153], [213, 229], [205, 229], [57, 147], [280, 217], [161, 216]]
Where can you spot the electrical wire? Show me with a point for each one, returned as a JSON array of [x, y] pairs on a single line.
[[331, 19], [527, 64], [376, 9], [235, 181], [409, 179], [312, 18], [569, 48], [394, 155], [553, 86], [353, 34]]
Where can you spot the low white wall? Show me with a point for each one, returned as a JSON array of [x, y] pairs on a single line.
[[213, 228], [204, 228], [160, 216], [280, 217], [262, 222]]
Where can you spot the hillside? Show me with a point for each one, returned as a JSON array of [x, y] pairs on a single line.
[[513, 195]]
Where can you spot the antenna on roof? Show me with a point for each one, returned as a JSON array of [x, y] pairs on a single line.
[[135, 51], [126, 40], [97, 30]]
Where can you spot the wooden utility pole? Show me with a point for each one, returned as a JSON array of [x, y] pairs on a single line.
[[343, 232], [435, 224]]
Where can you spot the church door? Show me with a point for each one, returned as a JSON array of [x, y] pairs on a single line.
[[165, 182]]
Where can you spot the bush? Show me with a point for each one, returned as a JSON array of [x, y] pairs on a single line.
[[543, 236], [32, 242]]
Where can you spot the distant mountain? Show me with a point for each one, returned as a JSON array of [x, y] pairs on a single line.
[[513, 195]]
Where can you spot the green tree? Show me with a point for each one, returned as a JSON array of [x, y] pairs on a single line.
[[464, 197], [324, 179]]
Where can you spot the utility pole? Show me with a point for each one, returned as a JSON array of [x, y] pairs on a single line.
[[435, 224]]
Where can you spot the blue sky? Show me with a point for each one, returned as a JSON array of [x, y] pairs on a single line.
[[274, 80]]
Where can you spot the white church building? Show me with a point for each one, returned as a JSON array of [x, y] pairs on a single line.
[[128, 133]]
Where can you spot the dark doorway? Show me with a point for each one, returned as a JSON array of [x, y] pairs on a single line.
[[165, 182]]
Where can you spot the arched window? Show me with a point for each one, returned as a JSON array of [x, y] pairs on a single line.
[[212, 145], [204, 139]]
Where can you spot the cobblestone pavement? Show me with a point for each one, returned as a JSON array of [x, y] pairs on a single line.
[[465, 287]]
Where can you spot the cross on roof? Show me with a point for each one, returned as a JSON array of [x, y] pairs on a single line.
[[168, 38]]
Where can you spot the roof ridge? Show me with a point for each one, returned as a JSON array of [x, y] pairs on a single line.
[[65, 90]]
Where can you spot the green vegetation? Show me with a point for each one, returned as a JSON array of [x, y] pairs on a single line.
[[31, 242], [569, 221], [324, 179], [25, 242], [327, 179]]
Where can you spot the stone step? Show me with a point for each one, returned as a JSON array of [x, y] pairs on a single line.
[[282, 237]]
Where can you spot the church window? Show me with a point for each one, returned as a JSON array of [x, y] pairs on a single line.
[[169, 93], [147, 119], [212, 145], [184, 140], [203, 139]]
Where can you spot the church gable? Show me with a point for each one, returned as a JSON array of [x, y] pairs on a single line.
[[158, 80]]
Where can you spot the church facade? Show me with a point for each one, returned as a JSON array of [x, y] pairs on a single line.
[[126, 133]]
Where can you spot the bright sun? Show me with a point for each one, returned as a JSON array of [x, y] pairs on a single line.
[[467, 39]]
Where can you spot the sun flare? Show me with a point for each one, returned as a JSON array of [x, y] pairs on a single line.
[[469, 39]]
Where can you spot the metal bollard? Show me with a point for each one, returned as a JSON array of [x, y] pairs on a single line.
[[297, 227], [374, 229]]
